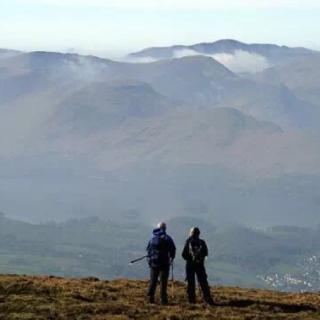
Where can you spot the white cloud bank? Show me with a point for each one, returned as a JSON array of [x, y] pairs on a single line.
[[239, 62], [243, 61], [179, 4], [185, 53], [137, 59]]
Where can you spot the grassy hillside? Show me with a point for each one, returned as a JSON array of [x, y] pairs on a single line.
[[282, 258], [26, 297]]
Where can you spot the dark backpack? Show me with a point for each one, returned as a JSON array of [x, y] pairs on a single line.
[[158, 250], [196, 250]]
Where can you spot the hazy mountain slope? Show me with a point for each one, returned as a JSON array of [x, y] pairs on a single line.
[[82, 134], [49, 60], [23, 120], [273, 53], [36, 71], [43, 95], [275, 103], [30, 74], [191, 81], [104, 105], [302, 77], [5, 53], [203, 81], [219, 136]]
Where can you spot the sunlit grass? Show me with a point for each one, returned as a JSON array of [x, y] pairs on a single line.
[[27, 297]]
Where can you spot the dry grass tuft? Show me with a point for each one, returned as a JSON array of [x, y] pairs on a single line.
[[53, 298]]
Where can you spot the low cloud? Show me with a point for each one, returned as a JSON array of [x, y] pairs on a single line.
[[85, 69], [131, 59], [185, 53], [240, 61], [243, 61]]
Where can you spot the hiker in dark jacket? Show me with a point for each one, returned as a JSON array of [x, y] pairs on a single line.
[[161, 252], [194, 252]]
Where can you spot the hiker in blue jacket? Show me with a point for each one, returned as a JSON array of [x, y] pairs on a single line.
[[161, 252]]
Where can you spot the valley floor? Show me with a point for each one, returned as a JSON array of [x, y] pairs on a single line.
[[51, 298]]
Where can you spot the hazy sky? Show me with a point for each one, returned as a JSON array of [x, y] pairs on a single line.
[[115, 27]]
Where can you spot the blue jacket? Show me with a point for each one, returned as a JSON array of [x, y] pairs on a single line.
[[168, 252]]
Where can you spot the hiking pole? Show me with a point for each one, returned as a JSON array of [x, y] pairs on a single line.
[[172, 281], [139, 259]]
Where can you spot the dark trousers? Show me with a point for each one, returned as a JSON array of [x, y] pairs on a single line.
[[191, 271], [155, 272]]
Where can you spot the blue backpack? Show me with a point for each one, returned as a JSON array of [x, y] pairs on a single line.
[[158, 250]]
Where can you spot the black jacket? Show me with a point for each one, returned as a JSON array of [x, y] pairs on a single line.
[[186, 250]]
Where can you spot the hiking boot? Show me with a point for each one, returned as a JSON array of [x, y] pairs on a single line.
[[192, 299], [151, 300], [209, 301]]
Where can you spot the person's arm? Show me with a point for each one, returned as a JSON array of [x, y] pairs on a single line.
[[148, 247], [204, 249], [172, 248], [185, 251]]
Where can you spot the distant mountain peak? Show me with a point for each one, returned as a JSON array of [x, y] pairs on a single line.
[[201, 63], [7, 53]]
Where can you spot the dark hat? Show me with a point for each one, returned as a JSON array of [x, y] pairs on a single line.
[[162, 225], [194, 232]]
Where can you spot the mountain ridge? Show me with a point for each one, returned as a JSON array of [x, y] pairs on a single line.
[[66, 114], [224, 46]]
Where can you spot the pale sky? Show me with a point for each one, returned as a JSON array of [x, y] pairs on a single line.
[[112, 28]]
